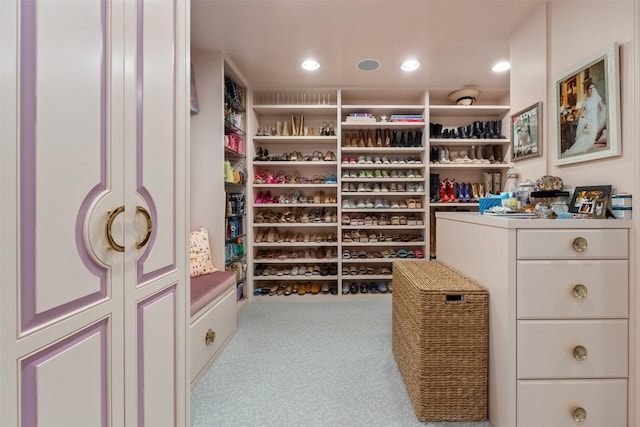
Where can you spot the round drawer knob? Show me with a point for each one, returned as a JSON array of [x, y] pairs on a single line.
[[579, 244], [209, 337], [580, 291], [580, 352], [579, 414]]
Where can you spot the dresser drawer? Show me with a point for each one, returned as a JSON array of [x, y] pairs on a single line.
[[553, 403], [572, 289], [546, 348], [221, 319], [566, 244]]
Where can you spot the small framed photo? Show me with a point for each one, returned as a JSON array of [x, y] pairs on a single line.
[[526, 132], [591, 201], [586, 103]]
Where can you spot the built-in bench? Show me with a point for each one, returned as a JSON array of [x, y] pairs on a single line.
[[213, 318]]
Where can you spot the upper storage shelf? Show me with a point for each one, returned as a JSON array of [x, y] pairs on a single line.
[[467, 110]]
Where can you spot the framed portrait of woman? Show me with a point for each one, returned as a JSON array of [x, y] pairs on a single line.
[[586, 103]]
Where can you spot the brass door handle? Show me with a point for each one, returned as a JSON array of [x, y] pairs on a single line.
[[111, 216], [209, 337], [147, 217]]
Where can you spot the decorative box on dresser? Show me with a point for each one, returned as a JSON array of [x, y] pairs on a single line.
[[559, 315]]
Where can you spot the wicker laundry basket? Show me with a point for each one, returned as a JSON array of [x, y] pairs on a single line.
[[440, 340]]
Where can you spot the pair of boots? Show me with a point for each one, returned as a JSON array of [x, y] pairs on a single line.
[[477, 130], [359, 140], [492, 182], [405, 138]]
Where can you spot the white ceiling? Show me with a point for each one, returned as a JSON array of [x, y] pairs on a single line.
[[457, 41]]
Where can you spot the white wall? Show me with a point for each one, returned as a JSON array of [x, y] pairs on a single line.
[[528, 82], [207, 152], [578, 30]]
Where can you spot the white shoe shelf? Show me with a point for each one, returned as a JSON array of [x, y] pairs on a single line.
[[470, 170], [380, 208]]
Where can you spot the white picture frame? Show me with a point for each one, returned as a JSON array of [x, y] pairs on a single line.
[[586, 110]]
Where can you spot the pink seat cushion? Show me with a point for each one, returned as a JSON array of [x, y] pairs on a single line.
[[208, 287]]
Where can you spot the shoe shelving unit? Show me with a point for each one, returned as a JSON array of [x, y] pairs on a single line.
[[295, 192], [480, 160], [339, 236], [382, 192], [235, 185]]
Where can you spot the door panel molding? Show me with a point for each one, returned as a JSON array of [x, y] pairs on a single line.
[[48, 227], [82, 398]]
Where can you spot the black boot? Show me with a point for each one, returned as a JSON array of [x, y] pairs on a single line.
[[394, 138], [470, 131], [477, 130], [434, 187], [489, 130], [498, 129], [417, 140], [403, 138], [437, 130], [433, 155], [462, 132]]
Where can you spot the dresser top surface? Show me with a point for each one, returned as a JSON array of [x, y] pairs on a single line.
[[529, 223]]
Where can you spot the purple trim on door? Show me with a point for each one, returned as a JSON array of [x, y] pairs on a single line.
[[171, 290], [28, 205], [141, 189], [29, 370]]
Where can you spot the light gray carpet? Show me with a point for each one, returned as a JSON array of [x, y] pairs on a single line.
[[308, 364]]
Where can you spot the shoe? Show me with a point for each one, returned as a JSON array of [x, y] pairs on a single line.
[[497, 183], [353, 288], [345, 288], [382, 287]]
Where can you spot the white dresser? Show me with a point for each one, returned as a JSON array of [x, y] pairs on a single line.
[[559, 315]]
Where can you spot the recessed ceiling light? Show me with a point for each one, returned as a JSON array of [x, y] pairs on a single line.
[[310, 64], [368, 64], [501, 66], [410, 65]]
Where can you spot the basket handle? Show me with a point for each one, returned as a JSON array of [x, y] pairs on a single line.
[[454, 298]]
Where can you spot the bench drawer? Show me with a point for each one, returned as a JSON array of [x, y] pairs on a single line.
[[210, 331]]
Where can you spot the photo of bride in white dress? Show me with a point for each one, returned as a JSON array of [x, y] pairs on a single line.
[[585, 109], [591, 130]]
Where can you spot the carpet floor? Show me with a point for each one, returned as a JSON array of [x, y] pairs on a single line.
[[308, 364]]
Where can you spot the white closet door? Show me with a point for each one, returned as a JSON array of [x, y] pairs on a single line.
[[62, 297], [155, 147], [93, 318]]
